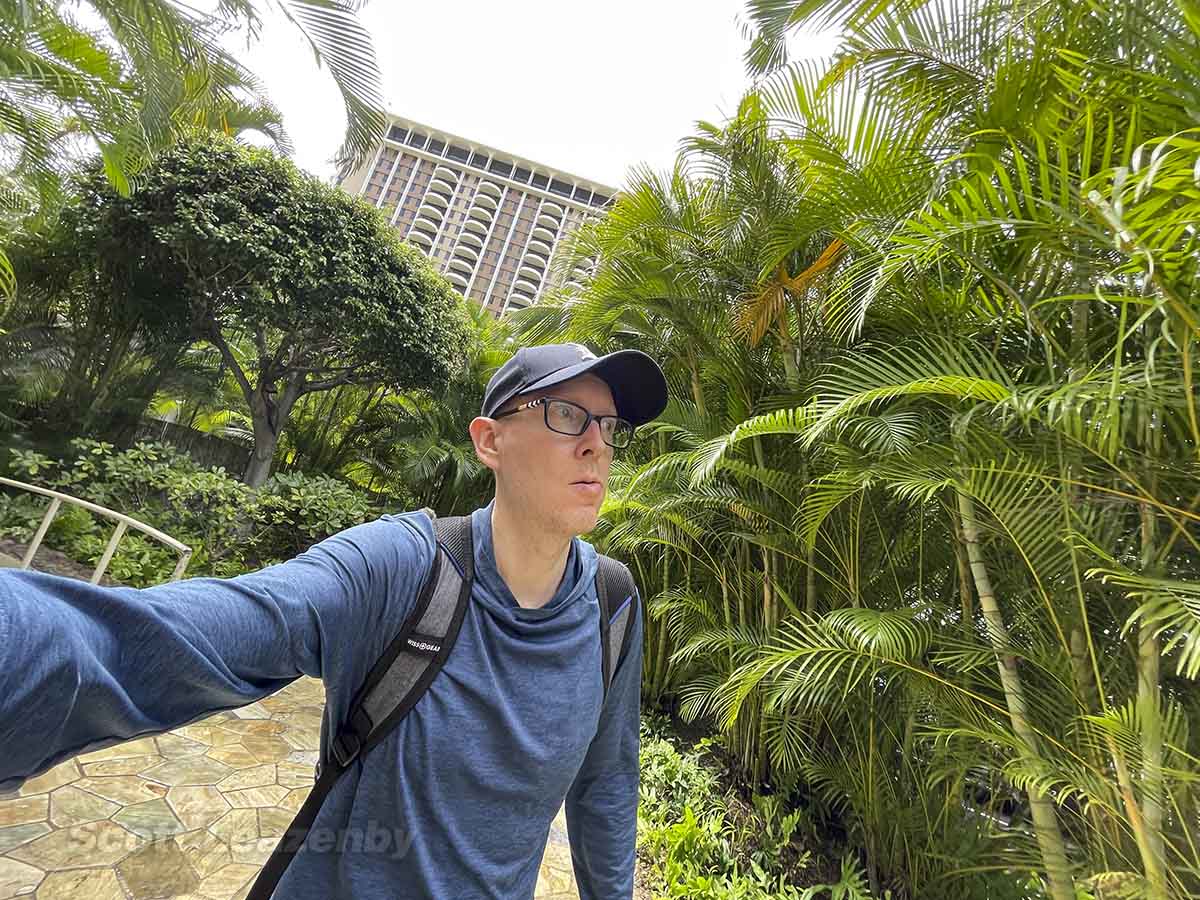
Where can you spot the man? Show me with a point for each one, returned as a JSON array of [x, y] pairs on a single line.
[[513, 725]]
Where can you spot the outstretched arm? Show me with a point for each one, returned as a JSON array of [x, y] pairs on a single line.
[[83, 667]]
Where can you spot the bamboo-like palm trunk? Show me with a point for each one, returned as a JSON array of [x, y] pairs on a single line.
[[1149, 704], [1045, 821]]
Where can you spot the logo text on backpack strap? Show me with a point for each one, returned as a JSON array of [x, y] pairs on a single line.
[[424, 644]]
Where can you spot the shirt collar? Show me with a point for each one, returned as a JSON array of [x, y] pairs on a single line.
[[488, 572]]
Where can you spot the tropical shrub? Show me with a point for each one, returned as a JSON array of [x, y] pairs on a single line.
[[918, 527], [700, 842], [231, 527]]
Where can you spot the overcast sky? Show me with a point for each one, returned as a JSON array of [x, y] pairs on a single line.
[[591, 88]]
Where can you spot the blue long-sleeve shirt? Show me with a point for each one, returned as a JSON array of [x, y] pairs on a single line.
[[460, 796]]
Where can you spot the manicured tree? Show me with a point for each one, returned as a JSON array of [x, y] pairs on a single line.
[[313, 280]]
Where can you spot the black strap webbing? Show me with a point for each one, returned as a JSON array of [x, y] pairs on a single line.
[[614, 586]]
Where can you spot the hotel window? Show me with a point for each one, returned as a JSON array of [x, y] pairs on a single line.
[[436, 146], [500, 168], [540, 181], [396, 134], [416, 139]]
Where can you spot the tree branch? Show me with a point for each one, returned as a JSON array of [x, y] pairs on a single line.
[[214, 335], [345, 378]]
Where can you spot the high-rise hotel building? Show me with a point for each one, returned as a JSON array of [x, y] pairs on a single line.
[[492, 222]]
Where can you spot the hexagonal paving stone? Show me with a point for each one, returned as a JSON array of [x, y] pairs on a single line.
[[256, 727], [71, 806], [152, 820], [17, 835], [174, 746], [197, 805], [209, 733], [130, 766], [295, 799], [305, 758], [96, 843], [248, 778], [294, 774], [227, 881], [189, 770], [159, 869], [273, 822], [23, 810], [267, 748], [143, 746], [255, 852], [251, 711], [94, 884], [234, 755], [18, 878], [63, 773], [204, 850], [267, 795], [236, 826], [123, 789]]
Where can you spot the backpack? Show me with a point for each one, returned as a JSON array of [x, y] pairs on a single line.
[[413, 659]]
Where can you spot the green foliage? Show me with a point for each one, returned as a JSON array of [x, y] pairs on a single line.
[[132, 77], [298, 287], [851, 886], [696, 841], [231, 527], [917, 530]]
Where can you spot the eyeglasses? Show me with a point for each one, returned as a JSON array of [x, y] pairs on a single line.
[[570, 418]]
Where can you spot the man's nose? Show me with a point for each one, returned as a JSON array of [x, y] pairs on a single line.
[[591, 439]]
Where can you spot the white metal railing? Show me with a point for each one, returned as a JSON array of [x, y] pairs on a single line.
[[123, 521]]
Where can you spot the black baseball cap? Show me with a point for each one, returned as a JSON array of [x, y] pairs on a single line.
[[638, 385]]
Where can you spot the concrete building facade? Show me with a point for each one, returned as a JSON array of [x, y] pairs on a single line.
[[492, 222]]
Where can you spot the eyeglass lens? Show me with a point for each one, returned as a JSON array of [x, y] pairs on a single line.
[[567, 418]]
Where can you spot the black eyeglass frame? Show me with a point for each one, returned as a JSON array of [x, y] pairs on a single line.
[[545, 402]]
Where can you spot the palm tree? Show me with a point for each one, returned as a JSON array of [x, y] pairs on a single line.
[[979, 220]]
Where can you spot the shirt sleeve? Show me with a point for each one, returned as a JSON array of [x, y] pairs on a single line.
[[601, 804], [83, 667]]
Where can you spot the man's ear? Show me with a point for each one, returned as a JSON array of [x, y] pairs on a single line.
[[484, 434]]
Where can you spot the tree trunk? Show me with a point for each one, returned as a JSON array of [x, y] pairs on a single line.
[[965, 598], [1045, 820], [787, 352], [269, 417], [266, 439], [697, 389], [810, 556], [1149, 706]]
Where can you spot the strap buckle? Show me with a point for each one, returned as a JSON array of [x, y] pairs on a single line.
[[344, 748]]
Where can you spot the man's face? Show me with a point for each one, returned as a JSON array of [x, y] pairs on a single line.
[[558, 479]]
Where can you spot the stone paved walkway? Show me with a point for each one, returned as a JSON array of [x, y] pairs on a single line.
[[188, 815]]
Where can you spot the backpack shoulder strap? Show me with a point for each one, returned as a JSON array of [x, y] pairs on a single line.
[[394, 685], [617, 593]]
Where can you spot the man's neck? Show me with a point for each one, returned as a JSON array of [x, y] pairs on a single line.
[[530, 561]]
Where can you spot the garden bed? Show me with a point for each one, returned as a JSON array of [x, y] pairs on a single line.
[[55, 562]]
